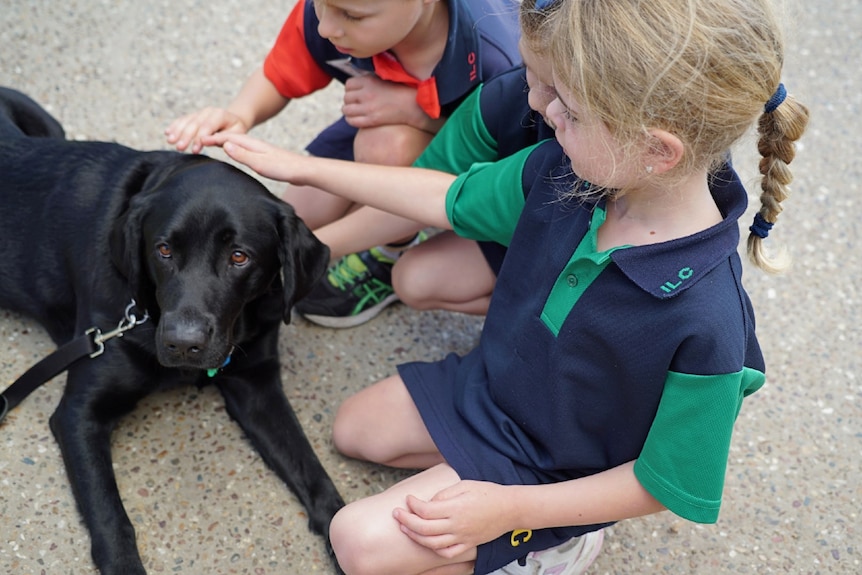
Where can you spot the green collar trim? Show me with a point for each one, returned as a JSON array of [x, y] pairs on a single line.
[[585, 265]]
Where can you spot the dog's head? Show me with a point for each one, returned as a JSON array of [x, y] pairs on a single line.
[[201, 245]]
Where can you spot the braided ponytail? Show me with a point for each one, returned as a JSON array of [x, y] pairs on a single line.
[[781, 124]]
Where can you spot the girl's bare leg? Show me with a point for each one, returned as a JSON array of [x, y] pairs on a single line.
[[368, 540], [381, 424], [445, 272]]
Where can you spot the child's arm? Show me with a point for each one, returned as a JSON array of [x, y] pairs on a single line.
[[474, 512], [257, 101], [414, 193], [462, 141]]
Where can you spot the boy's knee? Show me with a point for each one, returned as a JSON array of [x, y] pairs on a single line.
[[396, 145]]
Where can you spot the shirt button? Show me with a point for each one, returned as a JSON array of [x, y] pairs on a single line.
[[572, 280]]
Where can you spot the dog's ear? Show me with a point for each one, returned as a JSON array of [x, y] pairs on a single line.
[[126, 234], [304, 258]]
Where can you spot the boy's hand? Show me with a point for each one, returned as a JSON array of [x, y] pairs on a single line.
[[370, 102], [267, 160], [457, 518], [189, 130]]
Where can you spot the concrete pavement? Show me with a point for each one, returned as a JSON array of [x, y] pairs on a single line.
[[201, 499]]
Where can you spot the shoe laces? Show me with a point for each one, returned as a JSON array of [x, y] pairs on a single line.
[[347, 271]]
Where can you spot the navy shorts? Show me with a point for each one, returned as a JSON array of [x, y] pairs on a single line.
[[335, 141], [434, 390], [494, 254]]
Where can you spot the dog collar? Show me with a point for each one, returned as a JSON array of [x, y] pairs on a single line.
[[211, 372]]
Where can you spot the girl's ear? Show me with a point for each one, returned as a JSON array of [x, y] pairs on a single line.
[[664, 151]]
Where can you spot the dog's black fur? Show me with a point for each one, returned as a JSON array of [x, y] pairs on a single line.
[[206, 250]]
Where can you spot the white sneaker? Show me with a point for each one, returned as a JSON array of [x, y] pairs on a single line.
[[572, 557]]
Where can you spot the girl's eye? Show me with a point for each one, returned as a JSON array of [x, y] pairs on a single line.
[[239, 258], [351, 17], [569, 115], [164, 251]]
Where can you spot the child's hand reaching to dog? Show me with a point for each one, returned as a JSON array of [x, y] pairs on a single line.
[[257, 101], [188, 131], [267, 160], [381, 187]]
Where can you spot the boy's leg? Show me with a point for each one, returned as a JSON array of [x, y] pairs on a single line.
[[316, 207], [368, 541], [355, 289], [363, 229], [359, 285], [445, 272], [395, 145]]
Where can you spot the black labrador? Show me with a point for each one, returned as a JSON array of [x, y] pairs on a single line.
[[212, 257]]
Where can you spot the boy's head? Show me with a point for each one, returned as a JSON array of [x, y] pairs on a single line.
[[363, 28], [537, 19]]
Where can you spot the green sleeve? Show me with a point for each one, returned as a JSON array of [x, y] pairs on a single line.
[[684, 458], [485, 202], [463, 140]]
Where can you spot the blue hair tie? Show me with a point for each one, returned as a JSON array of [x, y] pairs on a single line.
[[776, 99], [760, 227], [545, 4]]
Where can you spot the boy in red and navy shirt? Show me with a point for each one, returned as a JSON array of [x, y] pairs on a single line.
[[406, 65]]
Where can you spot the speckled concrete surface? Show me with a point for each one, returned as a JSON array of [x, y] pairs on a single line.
[[201, 499]]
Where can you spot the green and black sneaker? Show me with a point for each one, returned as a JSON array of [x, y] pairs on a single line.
[[356, 289]]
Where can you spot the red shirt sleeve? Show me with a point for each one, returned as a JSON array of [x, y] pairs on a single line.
[[289, 65]]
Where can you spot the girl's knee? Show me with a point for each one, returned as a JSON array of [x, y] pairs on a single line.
[[344, 431], [412, 283], [354, 429], [355, 540]]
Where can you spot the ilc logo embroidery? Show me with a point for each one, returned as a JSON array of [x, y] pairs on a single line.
[[683, 275], [474, 72], [520, 536]]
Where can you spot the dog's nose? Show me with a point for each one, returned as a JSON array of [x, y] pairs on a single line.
[[185, 340]]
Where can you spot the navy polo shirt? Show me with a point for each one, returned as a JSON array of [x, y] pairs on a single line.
[[590, 359], [494, 122], [482, 42]]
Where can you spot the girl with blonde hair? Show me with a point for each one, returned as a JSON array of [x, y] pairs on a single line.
[[619, 343]]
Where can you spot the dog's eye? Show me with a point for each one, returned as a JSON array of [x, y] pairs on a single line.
[[164, 250], [239, 258]]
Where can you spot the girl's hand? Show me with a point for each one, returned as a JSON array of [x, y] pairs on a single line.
[[457, 518], [189, 130], [370, 102], [267, 160]]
